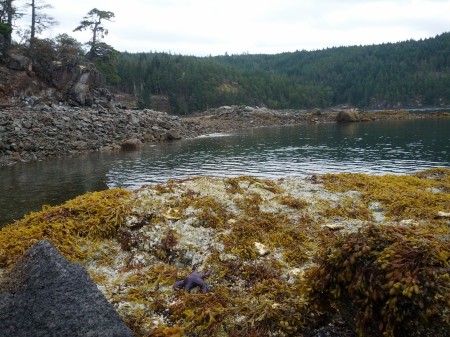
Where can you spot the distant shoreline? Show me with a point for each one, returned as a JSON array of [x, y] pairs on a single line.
[[58, 131]]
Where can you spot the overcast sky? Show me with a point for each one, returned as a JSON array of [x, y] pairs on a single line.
[[213, 27]]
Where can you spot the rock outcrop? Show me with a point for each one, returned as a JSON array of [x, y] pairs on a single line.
[[348, 116], [131, 144], [19, 62], [229, 118], [76, 83], [46, 295]]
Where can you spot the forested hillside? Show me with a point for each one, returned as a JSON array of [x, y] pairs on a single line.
[[405, 74]]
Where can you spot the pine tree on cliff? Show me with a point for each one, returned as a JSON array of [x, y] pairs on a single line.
[[100, 53], [93, 21], [40, 21]]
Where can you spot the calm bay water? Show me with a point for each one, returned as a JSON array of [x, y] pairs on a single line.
[[377, 148]]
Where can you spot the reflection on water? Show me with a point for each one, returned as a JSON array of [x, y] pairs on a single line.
[[381, 147]]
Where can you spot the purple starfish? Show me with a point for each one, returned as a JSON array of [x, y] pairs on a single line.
[[193, 280]]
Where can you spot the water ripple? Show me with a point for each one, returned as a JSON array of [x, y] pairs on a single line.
[[375, 148], [298, 151]]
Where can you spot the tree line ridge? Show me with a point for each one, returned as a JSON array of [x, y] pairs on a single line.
[[391, 75]]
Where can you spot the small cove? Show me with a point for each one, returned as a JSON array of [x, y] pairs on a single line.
[[401, 146]]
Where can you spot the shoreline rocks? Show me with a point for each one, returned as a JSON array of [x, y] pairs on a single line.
[[43, 131]]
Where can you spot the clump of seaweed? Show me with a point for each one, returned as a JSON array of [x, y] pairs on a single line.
[[348, 208], [232, 186], [202, 314], [239, 185], [167, 331], [250, 204], [168, 187], [94, 215], [439, 174], [211, 213], [272, 307], [293, 202], [141, 291], [392, 275], [296, 242], [269, 306], [248, 230], [419, 196], [168, 242]]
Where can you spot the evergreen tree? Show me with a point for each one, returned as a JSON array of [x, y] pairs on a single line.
[[102, 54], [388, 75], [93, 22], [7, 14], [40, 21]]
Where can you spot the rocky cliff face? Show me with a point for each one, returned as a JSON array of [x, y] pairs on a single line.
[[68, 113], [74, 83]]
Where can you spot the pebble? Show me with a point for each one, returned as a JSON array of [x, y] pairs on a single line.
[[441, 214]]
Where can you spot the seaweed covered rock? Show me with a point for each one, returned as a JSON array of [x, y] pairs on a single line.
[[92, 216], [385, 281], [46, 295], [331, 255], [132, 144]]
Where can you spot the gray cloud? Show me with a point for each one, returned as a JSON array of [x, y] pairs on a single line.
[[203, 27]]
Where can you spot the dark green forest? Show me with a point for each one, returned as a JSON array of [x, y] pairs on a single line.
[[391, 75], [405, 74]]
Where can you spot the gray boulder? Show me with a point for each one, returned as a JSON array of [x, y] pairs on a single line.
[[19, 62], [132, 144], [348, 116], [173, 135], [46, 295]]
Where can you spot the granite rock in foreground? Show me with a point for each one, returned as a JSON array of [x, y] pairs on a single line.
[[46, 295]]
